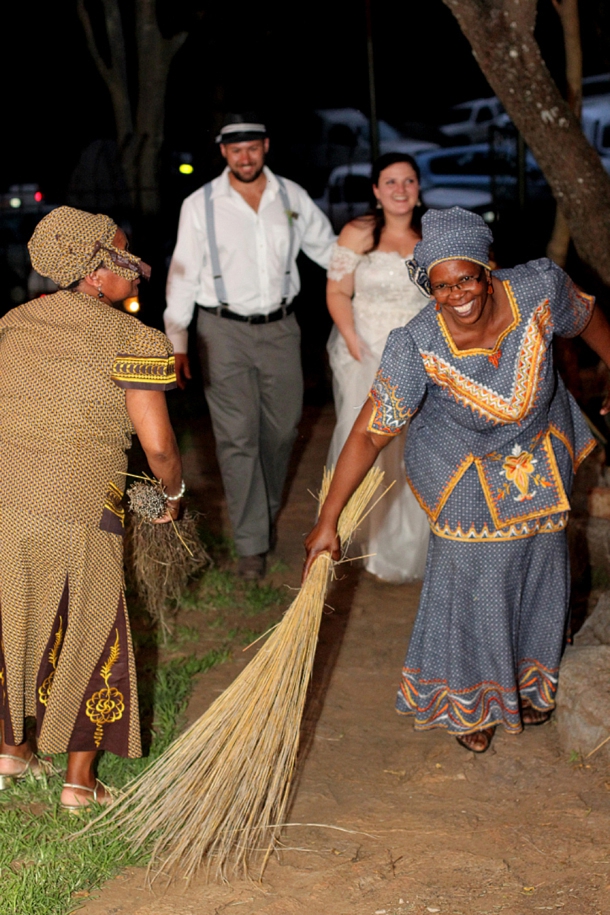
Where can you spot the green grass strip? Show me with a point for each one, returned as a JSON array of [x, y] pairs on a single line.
[[41, 867]]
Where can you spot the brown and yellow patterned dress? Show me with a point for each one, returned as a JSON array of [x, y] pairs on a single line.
[[66, 656]]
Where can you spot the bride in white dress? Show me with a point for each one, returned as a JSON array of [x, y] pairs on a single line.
[[368, 294]]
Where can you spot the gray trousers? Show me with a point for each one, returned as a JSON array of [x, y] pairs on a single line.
[[253, 384]]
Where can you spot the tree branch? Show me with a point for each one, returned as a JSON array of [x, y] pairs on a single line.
[[100, 63], [115, 75]]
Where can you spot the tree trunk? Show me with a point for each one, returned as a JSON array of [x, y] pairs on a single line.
[[139, 148], [155, 54], [501, 33], [567, 10]]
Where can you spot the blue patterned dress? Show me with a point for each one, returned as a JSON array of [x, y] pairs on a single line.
[[494, 442]]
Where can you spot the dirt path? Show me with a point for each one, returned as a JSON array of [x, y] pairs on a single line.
[[423, 825]]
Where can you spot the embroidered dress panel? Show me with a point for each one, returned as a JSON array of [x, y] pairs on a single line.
[[491, 451]]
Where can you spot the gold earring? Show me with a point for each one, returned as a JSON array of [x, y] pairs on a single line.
[[378, 205]]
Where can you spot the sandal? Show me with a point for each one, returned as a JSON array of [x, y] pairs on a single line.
[[32, 766], [78, 806], [477, 741], [534, 716]]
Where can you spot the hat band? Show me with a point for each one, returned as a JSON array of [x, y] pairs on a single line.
[[242, 128]]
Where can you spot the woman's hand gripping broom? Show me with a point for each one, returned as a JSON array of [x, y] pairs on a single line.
[[217, 797]]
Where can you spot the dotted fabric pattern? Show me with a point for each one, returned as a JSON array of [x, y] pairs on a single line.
[[64, 429], [67, 244], [489, 629], [490, 455]]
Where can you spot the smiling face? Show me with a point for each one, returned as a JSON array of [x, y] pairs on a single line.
[[460, 288], [246, 159], [398, 189]]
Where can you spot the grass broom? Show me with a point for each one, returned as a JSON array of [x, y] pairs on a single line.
[[218, 796], [160, 558]]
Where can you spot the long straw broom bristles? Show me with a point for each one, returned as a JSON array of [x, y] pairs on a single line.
[[218, 795]]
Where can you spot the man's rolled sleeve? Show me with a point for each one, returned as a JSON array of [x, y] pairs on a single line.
[[318, 236]]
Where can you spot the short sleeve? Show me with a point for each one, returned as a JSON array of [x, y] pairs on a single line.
[[147, 363], [343, 261], [399, 386], [570, 307]]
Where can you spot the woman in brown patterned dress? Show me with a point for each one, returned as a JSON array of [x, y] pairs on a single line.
[[77, 378]]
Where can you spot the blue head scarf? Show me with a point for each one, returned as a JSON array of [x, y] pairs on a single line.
[[447, 235]]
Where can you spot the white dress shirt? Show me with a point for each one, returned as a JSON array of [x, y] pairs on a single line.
[[252, 248]]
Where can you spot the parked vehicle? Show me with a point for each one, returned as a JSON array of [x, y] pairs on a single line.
[[469, 122], [596, 85], [348, 192], [330, 137], [596, 126]]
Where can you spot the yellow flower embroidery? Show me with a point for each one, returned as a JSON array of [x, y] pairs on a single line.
[[517, 468], [108, 704], [45, 687]]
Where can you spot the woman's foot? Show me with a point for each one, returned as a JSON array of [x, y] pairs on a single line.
[[477, 741], [14, 767], [531, 715], [75, 797]]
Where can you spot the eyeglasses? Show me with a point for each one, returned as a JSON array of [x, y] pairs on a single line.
[[443, 290]]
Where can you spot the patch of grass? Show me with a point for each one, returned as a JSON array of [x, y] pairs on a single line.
[[260, 598], [247, 636], [42, 870]]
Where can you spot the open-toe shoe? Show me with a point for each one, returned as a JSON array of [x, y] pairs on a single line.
[[477, 741]]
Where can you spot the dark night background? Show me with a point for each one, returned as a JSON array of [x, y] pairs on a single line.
[[286, 60], [283, 59]]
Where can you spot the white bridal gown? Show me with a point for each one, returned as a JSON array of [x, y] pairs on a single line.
[[396, 531]]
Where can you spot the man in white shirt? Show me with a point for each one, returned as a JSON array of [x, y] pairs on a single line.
[[235, 258]]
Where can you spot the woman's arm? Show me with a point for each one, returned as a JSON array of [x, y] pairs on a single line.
[[148, 413], [597, 335], [356, 459], [339, 292]]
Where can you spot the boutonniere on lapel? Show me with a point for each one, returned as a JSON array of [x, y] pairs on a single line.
[[292, 215]]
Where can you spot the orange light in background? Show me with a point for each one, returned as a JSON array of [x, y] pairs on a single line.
[[132, 304]]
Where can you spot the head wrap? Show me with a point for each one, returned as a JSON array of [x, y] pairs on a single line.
[[447, 235], [68, 244], [236, 128]]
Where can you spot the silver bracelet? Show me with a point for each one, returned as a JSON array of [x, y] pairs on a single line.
[[178, 494]]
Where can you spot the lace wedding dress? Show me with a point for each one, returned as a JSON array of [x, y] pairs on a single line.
[[396, 530]]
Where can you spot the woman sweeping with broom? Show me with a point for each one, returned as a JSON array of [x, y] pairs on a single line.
[[77, 378], [493, 444]]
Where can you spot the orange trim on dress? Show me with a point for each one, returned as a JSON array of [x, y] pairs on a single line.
[[433, 513], [486, 402]]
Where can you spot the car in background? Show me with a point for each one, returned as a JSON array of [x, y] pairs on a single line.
[[340, 136], [596, 85], [596, 126], [481, 167], [469, 122], [348, 194]]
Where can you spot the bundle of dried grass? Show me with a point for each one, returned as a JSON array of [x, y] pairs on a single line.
[[160, 558], [218, 796]]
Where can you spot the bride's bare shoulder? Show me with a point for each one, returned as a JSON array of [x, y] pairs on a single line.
[[357, 234]]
